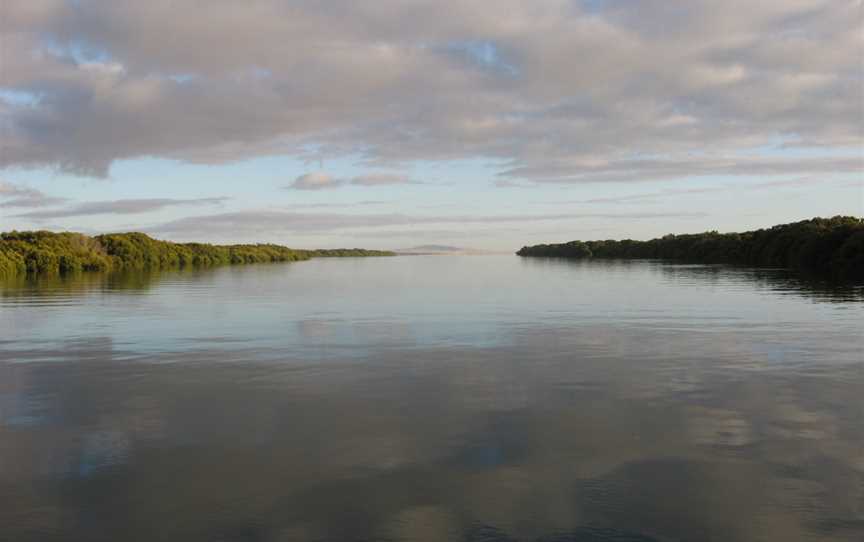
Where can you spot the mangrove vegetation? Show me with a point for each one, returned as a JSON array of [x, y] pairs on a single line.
[[38, 252], [828, 246]]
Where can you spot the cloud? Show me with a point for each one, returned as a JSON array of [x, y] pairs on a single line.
[[118, 207], [254, 223], [321, 205], [14, 195], [651, 196], [380, 179], [658, 195], [554, 89], [504, 183], [320, 180], [316, 181], [648, 169]]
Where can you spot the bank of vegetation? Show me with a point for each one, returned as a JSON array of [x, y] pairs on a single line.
[[45, 252], [830, 246]]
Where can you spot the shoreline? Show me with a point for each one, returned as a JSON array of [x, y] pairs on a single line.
[[829, 246]]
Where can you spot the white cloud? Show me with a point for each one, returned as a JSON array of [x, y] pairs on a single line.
[[661, 195], [16, 195], [527, 83], [251, 224], [651, 169], [118, 207], [317, 180], [380, 179]]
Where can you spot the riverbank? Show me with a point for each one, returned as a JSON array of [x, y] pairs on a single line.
[[45, 252], [830, 246]]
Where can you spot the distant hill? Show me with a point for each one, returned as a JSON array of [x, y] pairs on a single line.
[[439, 250]]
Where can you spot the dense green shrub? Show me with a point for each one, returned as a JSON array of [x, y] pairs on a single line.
[[48, 252], [44, 252], [11, 263], [833, 246]]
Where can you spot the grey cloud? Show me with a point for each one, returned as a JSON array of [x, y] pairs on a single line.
[[659, 195], [14, 195], [662, 195], [504, 183], [255, 222], [320, 180], [641, 198], [315, 181], [380, 179], [118, 207], [415, 233], [635, 170], [338, 205], [531, 84]]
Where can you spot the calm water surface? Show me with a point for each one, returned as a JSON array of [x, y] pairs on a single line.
[[432, 398]]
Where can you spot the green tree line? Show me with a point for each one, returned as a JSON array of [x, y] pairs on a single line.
[[36, 252], [830, 246]]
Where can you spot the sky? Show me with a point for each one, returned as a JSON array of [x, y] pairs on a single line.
[[391, 124]]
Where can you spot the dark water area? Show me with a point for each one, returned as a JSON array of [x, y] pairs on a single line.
[[432, 398]]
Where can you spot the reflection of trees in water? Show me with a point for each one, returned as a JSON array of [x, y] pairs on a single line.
[[575, 442], [776, 280], [784, 281], [48, 286], [588, 432]]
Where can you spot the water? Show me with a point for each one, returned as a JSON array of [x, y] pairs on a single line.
[[432, 398]]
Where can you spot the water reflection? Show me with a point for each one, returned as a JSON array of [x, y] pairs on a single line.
[[675, 427], [419, 444], [780, 281], [783, 281], [774, 280], [48, 286]]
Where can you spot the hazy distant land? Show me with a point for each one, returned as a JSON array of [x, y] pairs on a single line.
[[440, 250]]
